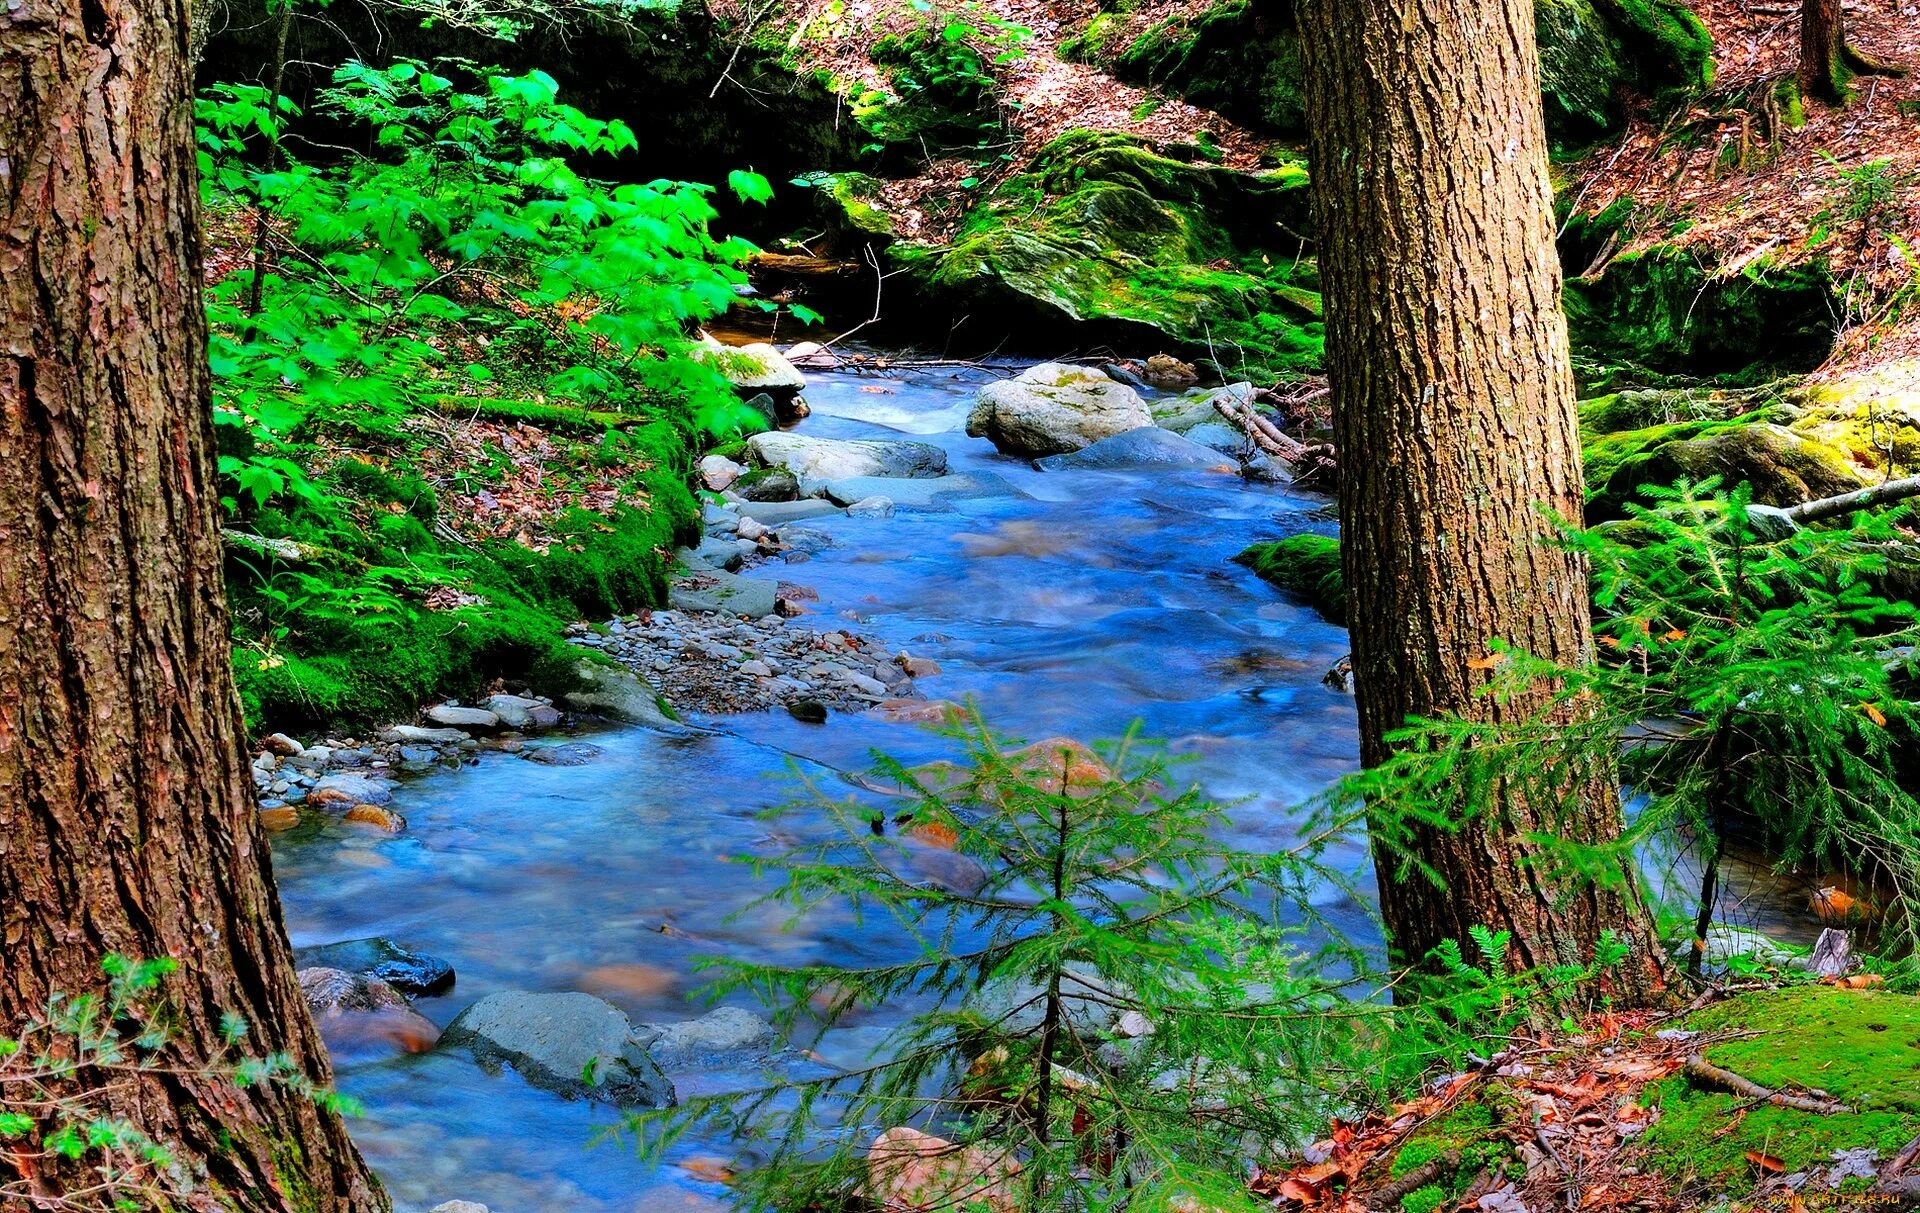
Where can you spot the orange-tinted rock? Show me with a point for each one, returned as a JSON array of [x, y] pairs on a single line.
[[632, 980], [913, 1172], [283, 817], [915, 711], [374, 815]]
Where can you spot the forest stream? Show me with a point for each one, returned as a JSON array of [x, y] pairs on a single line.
[[1073, 603]]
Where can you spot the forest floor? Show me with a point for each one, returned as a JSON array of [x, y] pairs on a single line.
[[1778, 1097], [1735, 179]]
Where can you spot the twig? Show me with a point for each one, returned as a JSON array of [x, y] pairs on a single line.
[[1703, 1071]]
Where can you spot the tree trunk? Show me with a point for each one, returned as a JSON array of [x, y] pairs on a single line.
[[1828, 63], [1454, 417], [127, 820], [1823, 51]]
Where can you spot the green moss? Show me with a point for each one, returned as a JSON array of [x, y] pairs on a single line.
[[1662, 311], [1782, 467], [1424, 1200], [1861, 1047], [338, 636], [1106, 236], [1307, 566], [1229, 59], [1581, 69], [1671, 44]]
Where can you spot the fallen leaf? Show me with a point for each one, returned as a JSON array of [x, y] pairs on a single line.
[[1766, 1162]]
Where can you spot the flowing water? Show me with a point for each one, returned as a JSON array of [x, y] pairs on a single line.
[[1076, 604]]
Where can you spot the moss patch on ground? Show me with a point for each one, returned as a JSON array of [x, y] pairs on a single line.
[[1109, 237], [355, 607], [1307, 566], [1860, 1047]]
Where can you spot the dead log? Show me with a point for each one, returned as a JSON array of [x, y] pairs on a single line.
[[1859, 499], [1263, 433]]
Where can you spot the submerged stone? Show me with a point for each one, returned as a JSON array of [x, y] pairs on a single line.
[[572, 1044]]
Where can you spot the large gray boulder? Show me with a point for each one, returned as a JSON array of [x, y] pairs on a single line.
[[1148, 446], [575, 1045], [814, 460], [715, 590], [1055, 408], [618, 694]]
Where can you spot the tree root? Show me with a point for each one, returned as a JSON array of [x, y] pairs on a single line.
[[1706, 1073], [1863, 64]]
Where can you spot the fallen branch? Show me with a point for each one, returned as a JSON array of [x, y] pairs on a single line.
[[1389, 1196], [1706, 1073], [1263, 433], [1859, 499]]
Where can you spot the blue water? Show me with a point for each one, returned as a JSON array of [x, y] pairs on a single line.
[[1082, 602]]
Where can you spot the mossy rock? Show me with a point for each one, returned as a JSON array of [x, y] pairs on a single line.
[[1106, 237], [1306, 566], [1874, 415], [1782, 467], [1861, 1047], [1581, 69], [1238, 59], [1663, 311]]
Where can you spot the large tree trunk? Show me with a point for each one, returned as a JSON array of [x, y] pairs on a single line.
[[1828, 63], [127, 821], [1454, 417]]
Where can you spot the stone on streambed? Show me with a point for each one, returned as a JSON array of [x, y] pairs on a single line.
[[929, 494], [1218, 436], [454, 716], [459, 1206], [1148, 446], [713, 553], [345, 789], [1055, 408], [520, 712], [401, 967], [779, 513], [1184, 412], [871, 507], [424, 735], [718, 472], [714, 590], [822, 459], [615, 692], [572, 1044], [727, 1030]]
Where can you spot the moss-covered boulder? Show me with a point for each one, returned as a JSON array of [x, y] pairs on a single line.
[[1782, 467], [1106, 237], [1874, 415], [1664, 310], [1307, 566]]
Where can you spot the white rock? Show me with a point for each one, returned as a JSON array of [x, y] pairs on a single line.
[[871, 507], [752, 368], [717, 472], [471, 719], [1054, 408], [817, 460], [812, 356]]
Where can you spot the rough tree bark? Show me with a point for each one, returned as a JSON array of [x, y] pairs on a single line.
[[1454, 417], [127, 821], [1828, 63]]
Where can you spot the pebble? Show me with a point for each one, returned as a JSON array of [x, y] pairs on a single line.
[[282, 817], [717, 662], [374, 815]]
